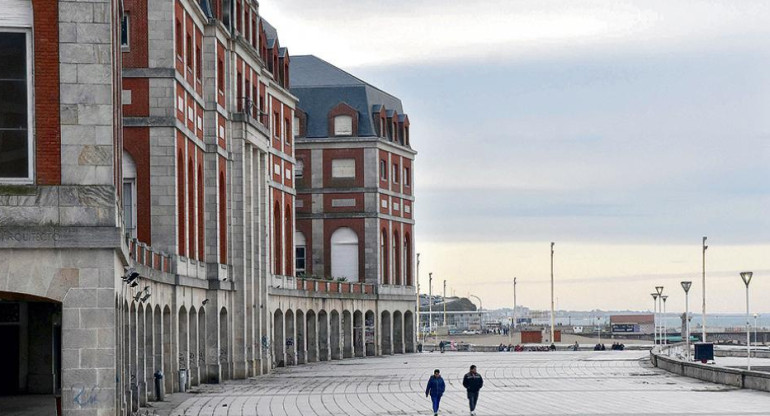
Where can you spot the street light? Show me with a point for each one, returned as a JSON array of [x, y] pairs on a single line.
[[430, 303], [659, 290], [686, 286], [703, 318], [746, 276], [552, 311], [665, 327], [513, 323], [654, 319], [419, 319]]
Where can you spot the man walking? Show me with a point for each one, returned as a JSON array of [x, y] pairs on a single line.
[[435, 389], [473, 383]]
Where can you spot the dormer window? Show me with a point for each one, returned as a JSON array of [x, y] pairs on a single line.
[[295, 127], [343, 125]]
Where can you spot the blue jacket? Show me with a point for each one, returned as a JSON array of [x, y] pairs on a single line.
[[435, 387]]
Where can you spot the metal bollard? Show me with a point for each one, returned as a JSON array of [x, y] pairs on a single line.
[[182, 380], [159, 385]]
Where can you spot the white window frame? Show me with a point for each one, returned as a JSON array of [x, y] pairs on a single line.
[[339, 161], [338, 128], [299, 169], [127, 47], [131, 231], [20, 26], [395, 173]]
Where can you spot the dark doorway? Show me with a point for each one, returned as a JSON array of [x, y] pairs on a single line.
[[9, 359]]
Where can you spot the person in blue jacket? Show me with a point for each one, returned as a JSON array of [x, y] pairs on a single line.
[[435, 389]]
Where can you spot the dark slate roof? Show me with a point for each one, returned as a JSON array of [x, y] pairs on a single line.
[[321, 86], [270, 32]]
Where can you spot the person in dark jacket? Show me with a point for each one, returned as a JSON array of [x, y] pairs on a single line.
[[473, 383], [435, 389]]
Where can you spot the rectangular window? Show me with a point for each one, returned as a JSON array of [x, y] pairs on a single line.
[[295, 127], [383, 169], [407, 177], [124, 32], [299, 169], [344, 168], [129, 207], [300, 259], [343, 126], [189, 54], [287, 130], [15, 102], [221, 76], [277, 125], [395, 173], [198, 64], [179, 40]]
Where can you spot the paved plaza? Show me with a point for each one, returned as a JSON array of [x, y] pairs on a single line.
[[531, 383]]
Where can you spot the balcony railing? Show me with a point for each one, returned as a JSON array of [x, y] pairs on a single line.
[[323, 286], [145, 255]]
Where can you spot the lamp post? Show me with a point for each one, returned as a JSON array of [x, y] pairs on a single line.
[[654, 319], [663, 318], [419, 322], [552, 309], [703, 318], [513, 322], [686, 286], [746, 276], [659, 291], [445, 304], [430, 303]]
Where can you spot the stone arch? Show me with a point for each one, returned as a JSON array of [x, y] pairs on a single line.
[[312, 336], [358, 334], [409, 332], [278, 339], [300, 343], [158, 344], [344, 254], [141, 375], [149, 348], [290, 339], [168, 359], [133, 368], [334, 335], [386, 339], [192, 351], [323, 336], [224, 343], [347, 334], [370, 330], [202, 326], [398, 332]]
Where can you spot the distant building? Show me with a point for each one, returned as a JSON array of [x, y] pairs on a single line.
[[632, 324]]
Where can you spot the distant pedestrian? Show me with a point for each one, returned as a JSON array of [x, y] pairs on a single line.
[[435, 389], [473, 383], [441, 346]]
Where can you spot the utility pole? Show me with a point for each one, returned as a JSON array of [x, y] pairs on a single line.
[[419, 322], [703, 318], [430, 303], [513, 322], [444, 303], [552, 309]]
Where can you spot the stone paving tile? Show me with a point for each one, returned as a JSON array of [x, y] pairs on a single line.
[[545, 383]]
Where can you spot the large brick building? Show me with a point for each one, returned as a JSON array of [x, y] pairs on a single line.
[[147, 206]]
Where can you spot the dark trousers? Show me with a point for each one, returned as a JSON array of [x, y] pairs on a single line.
[[473, 398], [436, 400]]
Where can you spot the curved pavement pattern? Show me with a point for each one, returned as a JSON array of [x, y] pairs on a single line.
[[532, 383]]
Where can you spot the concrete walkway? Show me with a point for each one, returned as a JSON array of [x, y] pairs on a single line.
[[533, 383]]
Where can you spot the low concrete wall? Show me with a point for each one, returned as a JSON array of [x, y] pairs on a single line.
[[708, 372]]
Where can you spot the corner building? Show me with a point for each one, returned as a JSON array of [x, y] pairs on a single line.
[[148, 209]]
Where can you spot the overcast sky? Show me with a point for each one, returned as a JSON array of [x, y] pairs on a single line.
[[622, 130]]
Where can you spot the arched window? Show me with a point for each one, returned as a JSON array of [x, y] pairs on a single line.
[[129, 194], [407, 260], [300, 250], [384, 277], [396, 259], [191, 208], [277, 239], [288, 244], [222, 219], [180, 191], [343, 125], [344, 257]]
